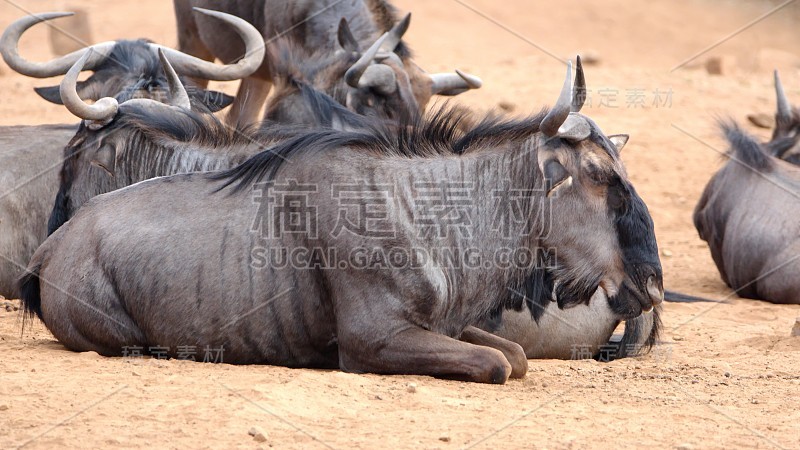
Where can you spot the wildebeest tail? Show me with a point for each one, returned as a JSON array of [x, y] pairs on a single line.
[[30, 292], [677, 297]]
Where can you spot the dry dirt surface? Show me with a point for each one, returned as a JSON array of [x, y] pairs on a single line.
[[724, 375]]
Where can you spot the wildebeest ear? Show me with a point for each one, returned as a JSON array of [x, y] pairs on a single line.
[[619, 140], [346, 39], [213, 100], [106, 158], [50, 93], [53, 95], [556, 176]]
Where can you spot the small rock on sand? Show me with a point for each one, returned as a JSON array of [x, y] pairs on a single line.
[[411, 387], [257, 434], [762, 120], [796, 327]]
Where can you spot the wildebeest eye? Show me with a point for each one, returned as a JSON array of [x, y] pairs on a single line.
[[596, 174]]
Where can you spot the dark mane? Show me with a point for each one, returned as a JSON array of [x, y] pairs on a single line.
[[745, 148], [437, 134]]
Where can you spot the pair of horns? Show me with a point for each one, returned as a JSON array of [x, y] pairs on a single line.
[[784, 114], [365, 74], [559, 122], [185, 64], [103, 111]]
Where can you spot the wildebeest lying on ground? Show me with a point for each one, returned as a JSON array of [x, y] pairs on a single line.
[[747, 216], [557, 334], [131, 68], [31, 156], [334, 37], [29, 160], [194, 264]]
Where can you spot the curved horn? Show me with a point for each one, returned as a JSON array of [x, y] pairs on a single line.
[[354, 73], [396, 34], [177, 93], [379, 77], [103, 110], [784, 114], [579, 87], [454, 83], [9, 48], [195, 67], [559, 112]]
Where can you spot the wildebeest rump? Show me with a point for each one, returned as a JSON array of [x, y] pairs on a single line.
[[327, 34], [30, 157], [747, 216], [191, 274]]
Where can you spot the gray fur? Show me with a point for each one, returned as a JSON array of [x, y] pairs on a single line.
[[30, 157], [747, 216]]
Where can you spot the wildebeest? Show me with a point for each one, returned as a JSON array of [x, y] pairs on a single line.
[[747, 216], [555, 334], [31, 156], [131, 68], [193, 266], [29, 160], [331, 40]]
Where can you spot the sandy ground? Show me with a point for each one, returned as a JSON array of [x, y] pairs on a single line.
[[724, 375]]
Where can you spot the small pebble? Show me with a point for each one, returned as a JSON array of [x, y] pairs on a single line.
[[445, 438], [762, 120], [796, 327], [411, 387], [666, 253], [677, 338], [257, 434], [506, 106], [3, 407]]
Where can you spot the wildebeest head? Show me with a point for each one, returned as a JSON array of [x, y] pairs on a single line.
[[131, 68], [785, 143], [101, 144], [600, 228], [381, 81]]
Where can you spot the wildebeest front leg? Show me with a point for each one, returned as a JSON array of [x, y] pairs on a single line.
[[416, 351], [512, 351]]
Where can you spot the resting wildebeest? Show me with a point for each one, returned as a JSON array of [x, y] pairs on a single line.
[[29, 161], [131, 67], [30, 156], [186, 260], [335, 37], [747, 216]]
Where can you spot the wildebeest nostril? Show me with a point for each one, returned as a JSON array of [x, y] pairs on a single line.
[[654, 290]]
